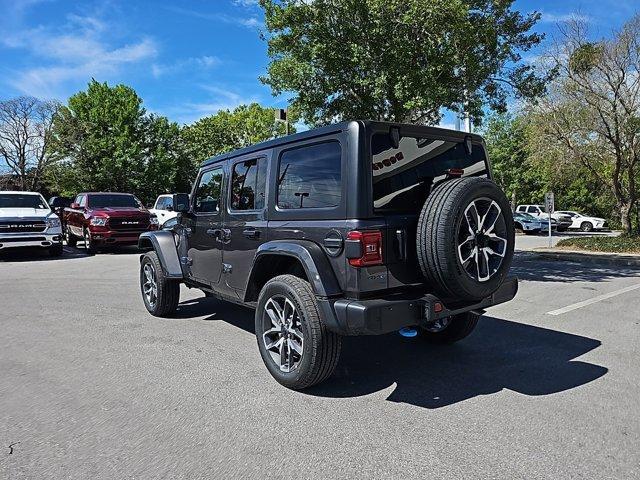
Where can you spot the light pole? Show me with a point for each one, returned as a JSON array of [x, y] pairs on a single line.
[[281, 116]]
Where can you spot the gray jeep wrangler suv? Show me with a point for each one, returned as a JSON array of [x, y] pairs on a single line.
[[357, 228]]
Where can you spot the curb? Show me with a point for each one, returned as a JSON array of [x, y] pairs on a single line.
[[629, 260]]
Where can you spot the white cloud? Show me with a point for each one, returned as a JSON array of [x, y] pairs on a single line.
[[71, 53], [246, 3], [204, 62], [249, 22], [217, 98], [564, 17]]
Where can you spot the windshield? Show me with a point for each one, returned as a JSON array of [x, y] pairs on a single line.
[[526, 216], [17, 200], [109, 200], [403, 176]]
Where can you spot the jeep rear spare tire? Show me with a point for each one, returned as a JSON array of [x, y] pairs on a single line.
[[465, 238]]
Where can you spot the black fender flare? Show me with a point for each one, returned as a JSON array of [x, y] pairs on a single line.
[[163, 243], [311, 257]]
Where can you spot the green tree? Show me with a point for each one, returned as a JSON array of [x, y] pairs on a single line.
[[506, 138], [590, 120], [400, 60], [525, 175], [99, 133], [229, 130], [105, 140]]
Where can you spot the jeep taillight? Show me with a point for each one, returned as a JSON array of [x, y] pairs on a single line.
[[364, 248]]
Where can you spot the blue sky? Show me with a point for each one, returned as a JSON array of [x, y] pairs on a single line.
[[186, 59]]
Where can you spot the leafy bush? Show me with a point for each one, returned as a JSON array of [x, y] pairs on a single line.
[[621, 244]]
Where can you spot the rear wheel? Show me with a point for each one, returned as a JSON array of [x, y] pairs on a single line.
[[294, 344], [72, 240], [586, 226], [160, 295], [450, 329]]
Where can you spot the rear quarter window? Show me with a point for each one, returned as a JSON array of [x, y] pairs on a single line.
[[310, 176]]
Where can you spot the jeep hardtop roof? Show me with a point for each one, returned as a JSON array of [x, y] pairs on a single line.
[[339, 127]]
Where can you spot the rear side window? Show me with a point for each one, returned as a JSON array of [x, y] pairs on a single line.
[[310, 176], [248, 182], [207, 199], [403, 176]]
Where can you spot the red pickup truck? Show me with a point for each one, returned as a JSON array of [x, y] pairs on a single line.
[[105, 218]]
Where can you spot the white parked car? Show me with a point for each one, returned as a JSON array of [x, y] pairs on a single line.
[[529, 224], [163, 209], [538, 211], [26, 220], [584, 222]]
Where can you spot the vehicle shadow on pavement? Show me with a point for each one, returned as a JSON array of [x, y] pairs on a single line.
[[530, 267], [40, 254], [500, 354]]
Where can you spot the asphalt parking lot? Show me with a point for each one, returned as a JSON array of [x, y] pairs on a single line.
[[91, 386]]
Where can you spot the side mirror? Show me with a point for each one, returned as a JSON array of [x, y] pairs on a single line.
[[74, 205], [181, 202]]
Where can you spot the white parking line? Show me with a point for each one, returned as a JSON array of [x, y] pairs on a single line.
[[599, 298]]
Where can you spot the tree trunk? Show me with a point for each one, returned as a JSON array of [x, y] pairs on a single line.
[[625, 218]]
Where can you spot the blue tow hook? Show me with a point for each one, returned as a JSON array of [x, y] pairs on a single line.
[[408, 332]]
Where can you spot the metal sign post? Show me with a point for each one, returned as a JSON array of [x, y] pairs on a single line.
[[549, 204]]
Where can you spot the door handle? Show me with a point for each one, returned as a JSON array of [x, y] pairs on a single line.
[[251, 233]]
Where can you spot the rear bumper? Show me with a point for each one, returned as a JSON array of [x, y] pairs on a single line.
[[384, 315], [18, 240]]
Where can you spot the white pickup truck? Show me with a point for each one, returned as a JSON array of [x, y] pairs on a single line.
[[26, 220], [163, 209]]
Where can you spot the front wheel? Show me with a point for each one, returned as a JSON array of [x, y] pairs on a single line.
[[450, 329], [71, 238], [160, 295], [295, 346], [586, 226], [90, 245]]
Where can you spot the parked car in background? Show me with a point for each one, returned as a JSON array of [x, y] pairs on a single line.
[[106, 219], [584, 222], [169, 224], [26, 220], [163, 209], [528, 223], [58, 204], [538, 211]]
